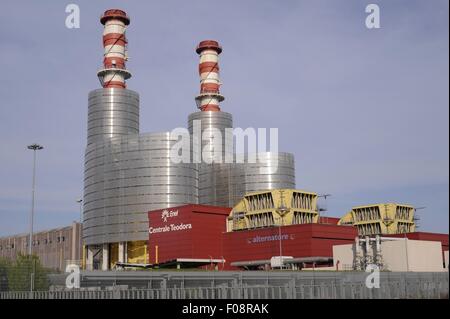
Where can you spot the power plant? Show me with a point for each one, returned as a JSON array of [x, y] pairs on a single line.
[[128, 173], [223, 208]]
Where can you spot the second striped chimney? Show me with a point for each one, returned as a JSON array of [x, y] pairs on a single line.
[[209, 97]]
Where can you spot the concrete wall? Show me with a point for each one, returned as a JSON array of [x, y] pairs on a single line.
[[343, 256], [412, 255], [424, 255], [53, 247], [395, 255], [398, 255]]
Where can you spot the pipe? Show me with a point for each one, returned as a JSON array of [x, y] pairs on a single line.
[[383, 239], [378, 244]]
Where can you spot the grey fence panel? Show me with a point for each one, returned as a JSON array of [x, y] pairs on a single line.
[[404, 288]]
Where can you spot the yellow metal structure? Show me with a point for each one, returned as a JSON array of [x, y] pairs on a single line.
[[137, 252], [379, 219], [83, 257], [272, 208], [113, 254]]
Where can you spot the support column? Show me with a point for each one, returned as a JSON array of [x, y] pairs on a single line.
[[105, 257], [73, 250], [122, 252], [90, 258]]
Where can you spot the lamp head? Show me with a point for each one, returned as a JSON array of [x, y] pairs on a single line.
[[35, 147]]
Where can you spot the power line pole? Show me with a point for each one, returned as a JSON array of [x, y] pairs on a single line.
[[80, 253]]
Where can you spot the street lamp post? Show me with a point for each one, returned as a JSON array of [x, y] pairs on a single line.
[[34, 147], [319, 209], [80, 201]]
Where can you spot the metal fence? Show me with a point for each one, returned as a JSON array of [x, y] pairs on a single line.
[[388, 290], [28, 281]]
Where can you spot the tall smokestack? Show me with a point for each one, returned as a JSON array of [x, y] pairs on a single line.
[[213, 178], [114, 73], [209, 97], [113, 109]]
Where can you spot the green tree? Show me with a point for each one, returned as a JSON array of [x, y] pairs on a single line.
[[5, 265], [23, 270]]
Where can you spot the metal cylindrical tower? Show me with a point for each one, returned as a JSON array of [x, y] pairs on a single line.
[[125, 178], [112, 112], [213, 172], [213, 177], [126, 174], [271, 170]]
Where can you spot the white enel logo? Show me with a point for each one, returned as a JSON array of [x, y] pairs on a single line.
[[373, 279], [73, 279], [168, 214]]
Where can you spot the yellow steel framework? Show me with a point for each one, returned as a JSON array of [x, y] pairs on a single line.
[[113, 254], [390, 218], [137, 252], [272, 208]]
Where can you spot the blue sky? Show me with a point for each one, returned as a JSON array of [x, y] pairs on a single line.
[[365, 112]]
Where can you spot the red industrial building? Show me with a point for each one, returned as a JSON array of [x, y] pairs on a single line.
[[195, 235], [187, 235], [308, 244]]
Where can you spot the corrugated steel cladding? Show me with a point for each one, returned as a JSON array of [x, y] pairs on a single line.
[[124, 178], [112, 113], [208, 239], [213, 179], [270, 171], [223, 184], [127, 174]]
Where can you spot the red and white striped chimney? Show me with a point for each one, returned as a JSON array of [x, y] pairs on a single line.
[[209, 97], [114, 72]]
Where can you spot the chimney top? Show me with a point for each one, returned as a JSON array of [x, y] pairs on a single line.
[[115, 14], [209, 44]]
